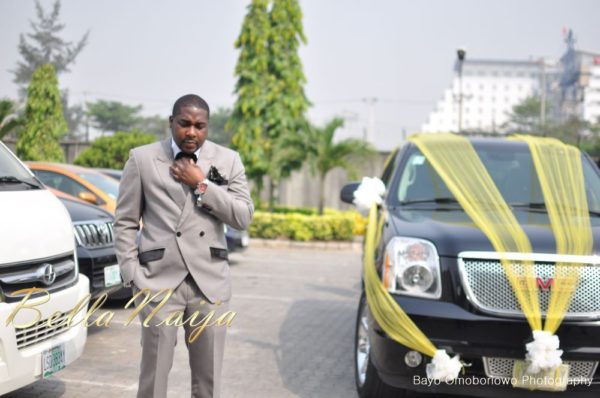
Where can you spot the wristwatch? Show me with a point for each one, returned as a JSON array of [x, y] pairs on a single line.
[[200, 189]]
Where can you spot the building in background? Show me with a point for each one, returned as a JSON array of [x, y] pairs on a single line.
[[569, 86], [579, 84]]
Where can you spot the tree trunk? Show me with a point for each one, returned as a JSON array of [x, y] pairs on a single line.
[[257, 191], [321, 193], [272, 194]]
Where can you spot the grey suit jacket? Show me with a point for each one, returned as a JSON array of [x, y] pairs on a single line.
[[177, 236]]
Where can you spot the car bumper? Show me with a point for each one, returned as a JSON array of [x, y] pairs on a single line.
[[473, 337], [237, 240], [92, 263], [20, 367]]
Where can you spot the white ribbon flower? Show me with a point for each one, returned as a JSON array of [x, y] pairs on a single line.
[[443, 368], [543, 352], [370, 190]]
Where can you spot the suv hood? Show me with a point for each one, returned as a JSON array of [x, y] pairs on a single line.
[[34, 226], [452, 231]]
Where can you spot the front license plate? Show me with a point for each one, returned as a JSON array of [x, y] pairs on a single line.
[[112, 275], [545, 380], [245, 240], [53, 360]]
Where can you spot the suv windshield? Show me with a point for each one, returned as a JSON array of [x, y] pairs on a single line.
[[511, 168], [13, 176]]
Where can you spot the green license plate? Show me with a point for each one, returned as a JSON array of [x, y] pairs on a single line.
[[112, 275], [555, 380], [53, 360]]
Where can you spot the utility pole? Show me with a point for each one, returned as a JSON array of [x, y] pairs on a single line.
[[87, 118], [543, 97], [370, 136], [461, 53]]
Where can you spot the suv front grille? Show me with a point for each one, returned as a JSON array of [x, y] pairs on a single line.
[[488, 289], [41, 331], [51, 274], [94, 234], [503, 368]]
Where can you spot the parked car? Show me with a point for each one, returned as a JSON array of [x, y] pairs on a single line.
[[114, 173], [37, 249], [460, 297], [93, 229], [237, 240], [83, 183]]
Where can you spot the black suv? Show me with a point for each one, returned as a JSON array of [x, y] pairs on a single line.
[[95, 248], [461, 298]]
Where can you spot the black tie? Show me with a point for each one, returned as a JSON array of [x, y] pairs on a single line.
[[186, 155]]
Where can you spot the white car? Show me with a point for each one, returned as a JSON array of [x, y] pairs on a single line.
[[37, 249]]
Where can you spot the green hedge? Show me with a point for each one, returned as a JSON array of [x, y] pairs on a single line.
[[303, 227]]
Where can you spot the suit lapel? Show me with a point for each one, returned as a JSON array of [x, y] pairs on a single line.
[[162, 162], [204, 161]]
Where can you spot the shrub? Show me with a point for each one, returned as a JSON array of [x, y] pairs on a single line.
[[334, 225], [112, 152]]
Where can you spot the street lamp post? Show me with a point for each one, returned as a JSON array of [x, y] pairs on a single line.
[[461, 53]]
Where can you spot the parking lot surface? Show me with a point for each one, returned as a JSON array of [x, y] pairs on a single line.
[[292, 336]]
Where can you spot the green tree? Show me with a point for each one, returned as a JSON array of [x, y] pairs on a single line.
[[113, 116], [525, 117], [74, 115], [9, 117], [219, 130], [46, 46], [324, 154], [248, 121], [285, 113], [157, 125], [112, 152], [44, 120], [573, 130]]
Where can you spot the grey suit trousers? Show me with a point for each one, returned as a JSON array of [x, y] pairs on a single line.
[[158, 344]]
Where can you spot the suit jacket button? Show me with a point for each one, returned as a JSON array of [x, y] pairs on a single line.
[[178, 234], [201, 233]]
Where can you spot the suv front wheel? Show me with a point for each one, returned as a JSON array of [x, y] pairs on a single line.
[[368, 383]]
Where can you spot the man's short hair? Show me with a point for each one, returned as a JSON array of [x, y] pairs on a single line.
[[190, 100]]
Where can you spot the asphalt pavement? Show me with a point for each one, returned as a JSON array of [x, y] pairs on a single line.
[[292, 335]]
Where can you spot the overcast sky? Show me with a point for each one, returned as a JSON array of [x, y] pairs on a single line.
[[150, 52]]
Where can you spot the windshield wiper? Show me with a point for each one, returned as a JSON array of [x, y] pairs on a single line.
[[430, 200], [15, 180], [542, 206]]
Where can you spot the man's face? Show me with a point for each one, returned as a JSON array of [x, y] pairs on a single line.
[[189, 128]]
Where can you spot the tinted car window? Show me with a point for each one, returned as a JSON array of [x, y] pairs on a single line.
[[14, 176], [61, 182], [9, 166], [106, 184], [511, 170]]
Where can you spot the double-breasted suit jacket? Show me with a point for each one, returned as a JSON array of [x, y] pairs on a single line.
[[178, 235]]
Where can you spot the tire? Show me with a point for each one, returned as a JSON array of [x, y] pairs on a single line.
[[368, 383]]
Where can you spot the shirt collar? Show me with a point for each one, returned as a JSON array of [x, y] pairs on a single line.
[[176, 149]]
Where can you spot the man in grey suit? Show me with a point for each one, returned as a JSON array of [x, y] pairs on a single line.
[[181, 206]]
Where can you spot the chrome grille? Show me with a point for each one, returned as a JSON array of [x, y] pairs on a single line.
[[41, 331], [94, 234], [503, 368], [51, 274], [488, 288]]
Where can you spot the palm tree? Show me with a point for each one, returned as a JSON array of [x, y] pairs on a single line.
[[324, 155]]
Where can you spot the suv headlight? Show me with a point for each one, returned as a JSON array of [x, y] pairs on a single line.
[[411, 267]]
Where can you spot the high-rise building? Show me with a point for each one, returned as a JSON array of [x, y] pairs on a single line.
[[487, 91]]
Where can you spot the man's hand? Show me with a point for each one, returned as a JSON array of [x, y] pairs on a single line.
[[186, 171]]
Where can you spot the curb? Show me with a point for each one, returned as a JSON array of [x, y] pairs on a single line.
[[355, 245]]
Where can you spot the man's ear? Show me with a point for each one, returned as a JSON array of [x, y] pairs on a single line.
[[170, 120]]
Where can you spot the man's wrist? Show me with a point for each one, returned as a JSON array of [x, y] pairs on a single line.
[[200, 188]]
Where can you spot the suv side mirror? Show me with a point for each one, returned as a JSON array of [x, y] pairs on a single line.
[[347, 192], [88, 197]]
